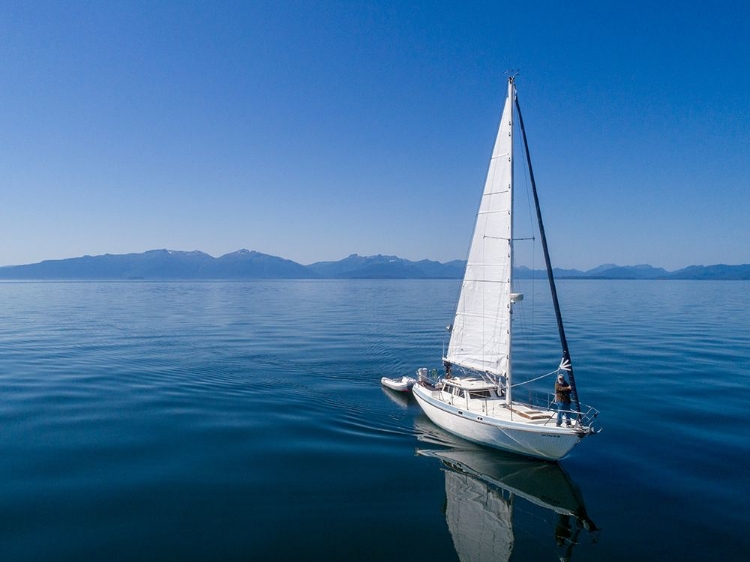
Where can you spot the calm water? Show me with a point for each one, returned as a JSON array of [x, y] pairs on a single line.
[[245, 421]]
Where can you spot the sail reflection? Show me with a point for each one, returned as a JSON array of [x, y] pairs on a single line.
[[489, 492]]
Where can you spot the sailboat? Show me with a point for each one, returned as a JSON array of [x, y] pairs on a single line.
[[475, 399]]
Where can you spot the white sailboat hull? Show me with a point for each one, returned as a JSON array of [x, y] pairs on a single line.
[[499, 429]]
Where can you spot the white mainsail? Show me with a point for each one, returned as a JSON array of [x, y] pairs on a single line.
[[480, 339]]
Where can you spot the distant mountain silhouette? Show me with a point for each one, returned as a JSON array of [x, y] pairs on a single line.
[[721, 271], [387, 267], [162, 264], [627, 272], [245, 264]]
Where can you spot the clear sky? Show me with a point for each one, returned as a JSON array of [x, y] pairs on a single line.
[[312, 130]]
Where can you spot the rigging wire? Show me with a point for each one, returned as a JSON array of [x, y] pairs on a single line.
[[566, 361], [527, 320]]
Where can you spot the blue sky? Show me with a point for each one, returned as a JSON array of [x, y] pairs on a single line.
[[313, 130]]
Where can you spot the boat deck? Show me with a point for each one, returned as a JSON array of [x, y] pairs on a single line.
[[531, 413], [516, 412], [496, 407]]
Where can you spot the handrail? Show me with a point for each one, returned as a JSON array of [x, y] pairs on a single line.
[[586, 417]]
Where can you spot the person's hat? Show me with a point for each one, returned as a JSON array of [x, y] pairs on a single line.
[[560, 377]]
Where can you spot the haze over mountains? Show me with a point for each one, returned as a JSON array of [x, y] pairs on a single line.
[[245, 264]]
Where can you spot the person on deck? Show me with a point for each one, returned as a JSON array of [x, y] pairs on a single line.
[[562, 397], [447, 366]]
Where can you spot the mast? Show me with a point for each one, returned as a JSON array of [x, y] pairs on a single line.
[[566, 362], [509, 378]]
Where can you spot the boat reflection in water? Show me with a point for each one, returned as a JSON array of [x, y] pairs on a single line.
[[403, 399], [489, 492]]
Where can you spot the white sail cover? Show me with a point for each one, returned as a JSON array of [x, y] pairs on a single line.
[[480, 339]]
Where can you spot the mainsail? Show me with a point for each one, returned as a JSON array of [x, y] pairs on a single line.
[[480, 339]]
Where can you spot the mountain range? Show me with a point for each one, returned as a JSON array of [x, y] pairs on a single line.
[[245, 264]]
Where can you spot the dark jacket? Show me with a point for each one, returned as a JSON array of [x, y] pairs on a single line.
[[562, 391]]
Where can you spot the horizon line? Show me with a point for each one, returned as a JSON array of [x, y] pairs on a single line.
[[613, 265]]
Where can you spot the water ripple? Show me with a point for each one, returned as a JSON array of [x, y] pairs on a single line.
[[127, 405]]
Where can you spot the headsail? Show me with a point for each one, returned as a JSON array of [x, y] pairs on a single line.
[[480, 339]]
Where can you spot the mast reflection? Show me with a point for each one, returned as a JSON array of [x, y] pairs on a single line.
[[488, 493]]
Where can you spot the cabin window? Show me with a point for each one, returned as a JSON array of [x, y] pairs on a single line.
[[458, 391], [477, 394]]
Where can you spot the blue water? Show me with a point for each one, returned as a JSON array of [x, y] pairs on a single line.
[[238, 421]]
